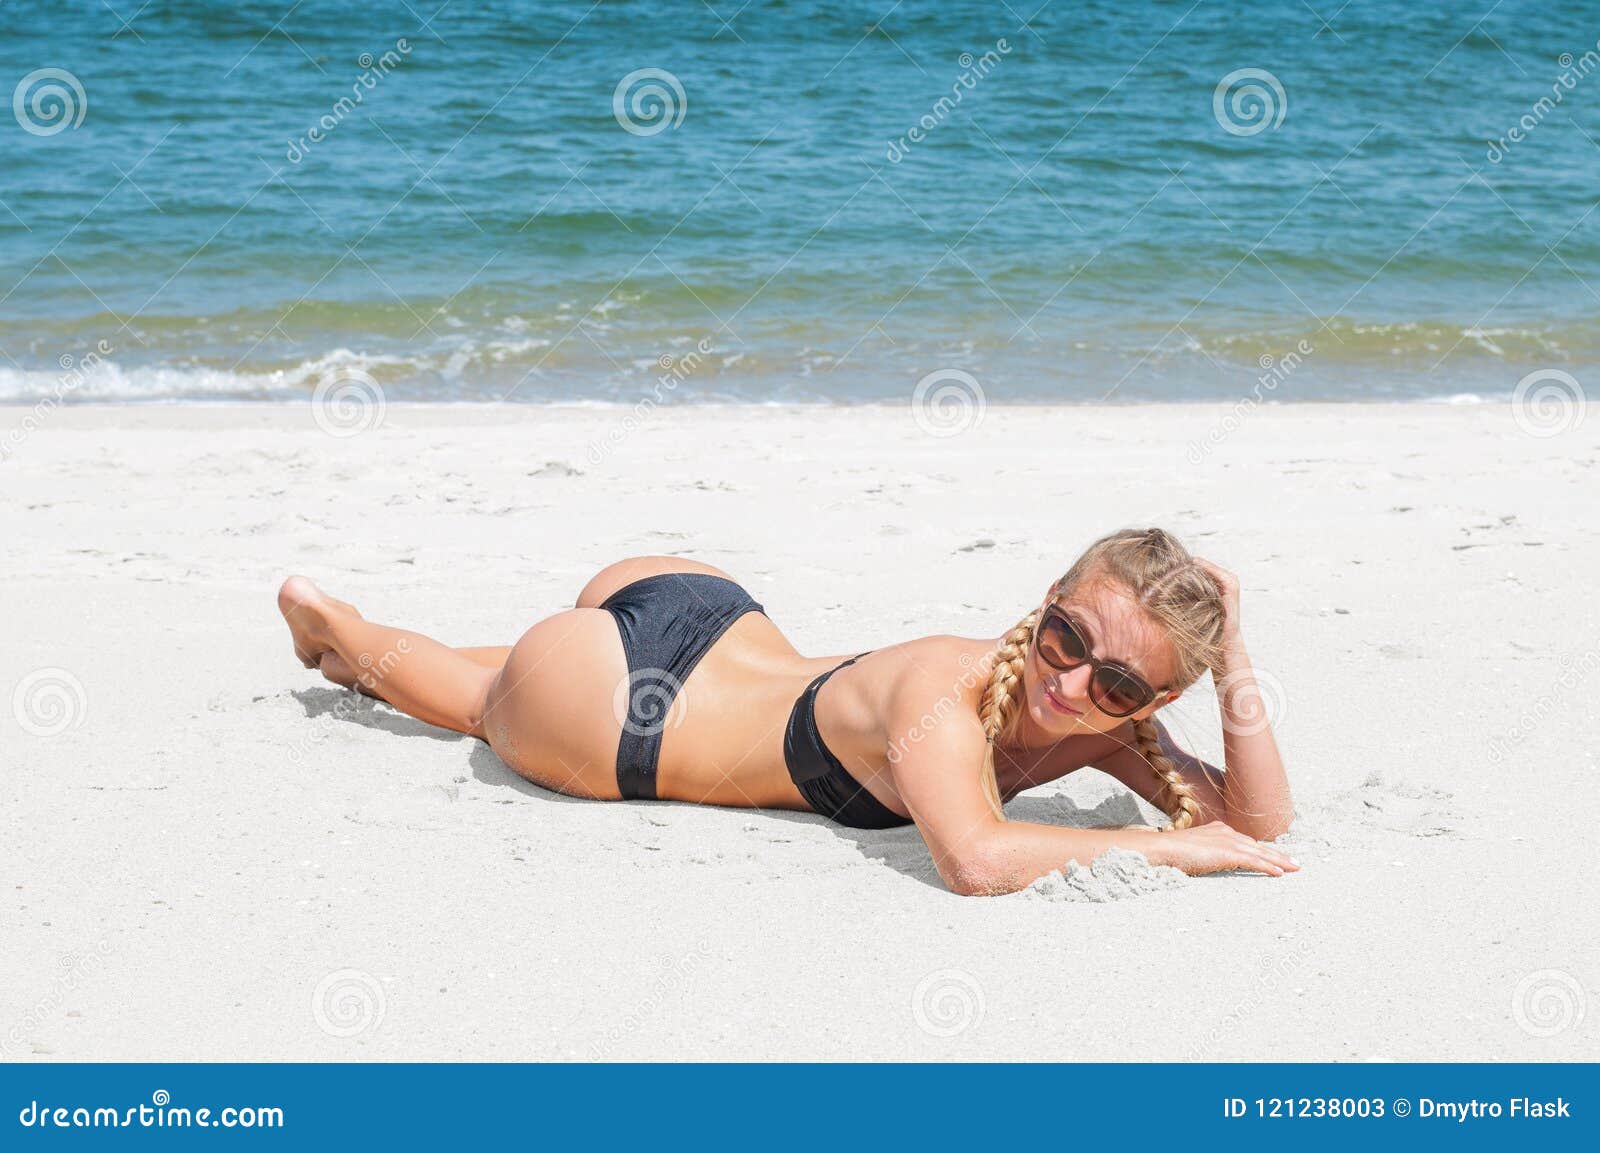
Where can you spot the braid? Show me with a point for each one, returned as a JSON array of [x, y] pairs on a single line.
[[1176, 797], [999, 707]]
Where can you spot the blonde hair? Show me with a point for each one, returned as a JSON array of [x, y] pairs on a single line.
[[1153, 569]]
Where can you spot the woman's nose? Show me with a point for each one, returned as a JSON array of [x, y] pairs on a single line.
[[1073, 684]]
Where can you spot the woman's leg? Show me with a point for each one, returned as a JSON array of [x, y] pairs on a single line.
[[490, 656], [417, 675], [335, 669]]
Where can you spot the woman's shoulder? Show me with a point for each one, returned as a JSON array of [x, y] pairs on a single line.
[[936, 668], [934, 689]]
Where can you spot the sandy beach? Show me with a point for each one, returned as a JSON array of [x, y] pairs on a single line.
[[214, 854]]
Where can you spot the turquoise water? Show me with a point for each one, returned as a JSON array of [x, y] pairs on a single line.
[[817, 216]]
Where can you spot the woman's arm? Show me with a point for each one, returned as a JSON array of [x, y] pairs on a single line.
[[977, 853], [1253, 794]]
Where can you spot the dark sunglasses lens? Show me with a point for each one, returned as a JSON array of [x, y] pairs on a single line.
[[1117, 694], [1060, 644]]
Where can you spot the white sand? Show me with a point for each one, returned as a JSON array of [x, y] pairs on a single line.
[[221, 856]]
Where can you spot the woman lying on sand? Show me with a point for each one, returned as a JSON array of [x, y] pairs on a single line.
[[668, 681]]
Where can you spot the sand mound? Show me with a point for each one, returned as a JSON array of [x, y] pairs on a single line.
[[1115, 875]]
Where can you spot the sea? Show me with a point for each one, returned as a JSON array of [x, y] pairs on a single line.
[[691, 201]]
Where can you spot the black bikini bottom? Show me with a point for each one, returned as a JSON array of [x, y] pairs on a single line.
[[826, 784], [668, 622]]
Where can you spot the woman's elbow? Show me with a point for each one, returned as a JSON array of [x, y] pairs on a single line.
[[980, 871]]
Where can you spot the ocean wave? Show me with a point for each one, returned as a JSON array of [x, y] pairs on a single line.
[[533, 360]]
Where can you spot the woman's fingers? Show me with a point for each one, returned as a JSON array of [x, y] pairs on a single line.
[[1247, 861], [1260, 863], [1263, 857]]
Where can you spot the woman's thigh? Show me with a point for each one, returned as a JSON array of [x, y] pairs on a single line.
[[551, 714]]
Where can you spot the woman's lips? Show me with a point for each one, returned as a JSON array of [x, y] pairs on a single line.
[[1060, 705]]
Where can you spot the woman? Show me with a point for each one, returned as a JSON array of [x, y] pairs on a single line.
[[668, 681]]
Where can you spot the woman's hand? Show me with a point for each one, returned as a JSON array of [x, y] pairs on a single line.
[[1228, 585], [1216, 847]]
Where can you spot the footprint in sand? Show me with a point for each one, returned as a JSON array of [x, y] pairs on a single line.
[[1380, 802]]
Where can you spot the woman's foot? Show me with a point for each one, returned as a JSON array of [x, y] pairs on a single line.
[[308, 612]]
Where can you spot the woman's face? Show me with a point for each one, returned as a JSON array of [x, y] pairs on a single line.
[[1058, 700]]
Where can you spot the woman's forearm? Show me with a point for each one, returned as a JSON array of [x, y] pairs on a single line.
[[1013, 854], [1255, 789]]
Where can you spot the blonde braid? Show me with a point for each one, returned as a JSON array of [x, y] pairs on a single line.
[[999, 707], [1176, 797]]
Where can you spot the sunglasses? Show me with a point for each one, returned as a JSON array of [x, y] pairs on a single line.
[[1063, 643]]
